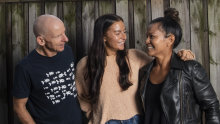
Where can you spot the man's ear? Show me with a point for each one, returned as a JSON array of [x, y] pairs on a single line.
[[40, 40]]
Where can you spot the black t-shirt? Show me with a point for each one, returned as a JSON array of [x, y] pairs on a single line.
[[49, 85], [154, 113]]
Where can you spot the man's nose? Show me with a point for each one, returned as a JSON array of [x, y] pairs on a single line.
[[65, 38]]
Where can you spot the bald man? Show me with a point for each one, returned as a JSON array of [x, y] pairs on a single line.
[[44, 88]]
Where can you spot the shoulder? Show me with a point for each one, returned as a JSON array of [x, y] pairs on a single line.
[[81, 65], [137, 54], [194, 67], [139, 57], [24, 64], [191, 64], [82, 62]]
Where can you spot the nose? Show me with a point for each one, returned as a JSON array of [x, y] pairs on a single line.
[[65, 38], [147, 40], [124, 36]]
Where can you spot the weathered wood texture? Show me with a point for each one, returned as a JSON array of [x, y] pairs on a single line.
[[214, 43], [19, 43], [3, 75], [200, 21], [197, 30], [183, 7], [51, 8], [106, 7], [88, 20], [34, 12], [122, 10], [9, 62], [157, 7], [140, 24], [69, 14]]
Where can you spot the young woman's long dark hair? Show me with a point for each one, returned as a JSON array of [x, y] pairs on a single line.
[[97, 59]]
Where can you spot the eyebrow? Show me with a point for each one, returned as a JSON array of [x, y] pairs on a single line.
[[119, 30]]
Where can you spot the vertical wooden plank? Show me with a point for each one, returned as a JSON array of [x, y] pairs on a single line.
[[42, 4], [106, 7], [60, 10], [183, 7], [19, 44], [26, 25], [198, 43], [205, 36], [3, 82], [166, 4], [96, 9], [214, 43], [51, 8], [131, 23], [157, 8], [140, 24], [70, 23], [122, 10], [149, 12], [88, 18], [34, 12], [9, 64], [79, 43]]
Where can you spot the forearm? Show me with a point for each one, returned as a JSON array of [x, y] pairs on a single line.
[[206, 95], [212, 113], [20, 109], [24, 116]]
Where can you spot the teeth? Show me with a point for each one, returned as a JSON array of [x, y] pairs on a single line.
[[149, 47], [121, 43]]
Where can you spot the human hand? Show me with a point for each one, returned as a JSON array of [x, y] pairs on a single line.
[[186, 55]]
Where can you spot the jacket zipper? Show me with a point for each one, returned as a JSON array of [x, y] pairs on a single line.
[[181, 99], [143, 103], [188, 111], [165, 113]]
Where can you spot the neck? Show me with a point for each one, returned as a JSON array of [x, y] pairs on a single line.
[[110, 52], [163, 61], [45, 52]]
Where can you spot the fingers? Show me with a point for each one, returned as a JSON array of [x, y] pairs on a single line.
[[180, 53], [192, 55], [186, 54]]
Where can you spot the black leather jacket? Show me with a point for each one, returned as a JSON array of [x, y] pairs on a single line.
[[186, 92]]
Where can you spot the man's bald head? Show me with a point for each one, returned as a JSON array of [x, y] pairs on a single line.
[[43, 23]]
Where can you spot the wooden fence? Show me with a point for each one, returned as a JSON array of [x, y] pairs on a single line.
[[200, 20]]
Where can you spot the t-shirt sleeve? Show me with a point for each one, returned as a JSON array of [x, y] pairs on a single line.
[[82, 86], [21, 84], [140, 57]]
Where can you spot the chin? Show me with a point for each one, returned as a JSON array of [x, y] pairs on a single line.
[[60, 50], [121, 48], [149, 53]]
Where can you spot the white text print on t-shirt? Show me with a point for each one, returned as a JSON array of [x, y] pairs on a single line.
[[60, 85]]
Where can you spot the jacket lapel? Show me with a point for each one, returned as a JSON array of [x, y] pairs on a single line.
[[175, 68], [143, 78]]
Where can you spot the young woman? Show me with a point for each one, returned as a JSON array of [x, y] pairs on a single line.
[[174, 91], [107, 79]]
